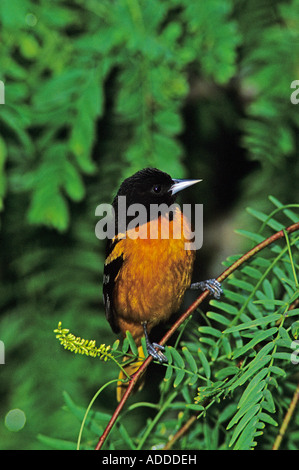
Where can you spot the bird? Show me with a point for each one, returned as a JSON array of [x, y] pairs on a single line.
[[145, 278]]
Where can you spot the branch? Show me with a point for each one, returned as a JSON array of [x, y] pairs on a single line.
[[286, 420], [181, 432], [184, 316]]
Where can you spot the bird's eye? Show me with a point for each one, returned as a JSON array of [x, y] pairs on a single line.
[[157, 188]]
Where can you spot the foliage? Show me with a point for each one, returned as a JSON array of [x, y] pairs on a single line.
[[95, 90]]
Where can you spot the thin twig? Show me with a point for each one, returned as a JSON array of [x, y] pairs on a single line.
[[181, 432], [286, 420], [184, 316]]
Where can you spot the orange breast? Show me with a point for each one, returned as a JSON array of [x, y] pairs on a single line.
[[155, 275]]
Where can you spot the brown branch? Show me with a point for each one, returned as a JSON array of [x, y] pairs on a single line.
[[181, 432], [286, 420], [184, 316]]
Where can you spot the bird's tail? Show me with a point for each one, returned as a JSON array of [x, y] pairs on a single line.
[[130, 370]]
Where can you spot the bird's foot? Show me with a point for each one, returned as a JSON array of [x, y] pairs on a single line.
[[154, 349], [212, 285]]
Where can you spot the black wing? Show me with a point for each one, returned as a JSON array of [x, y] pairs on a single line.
[[111, 270]]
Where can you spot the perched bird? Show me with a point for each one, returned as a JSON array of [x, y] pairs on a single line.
[[145, 277]]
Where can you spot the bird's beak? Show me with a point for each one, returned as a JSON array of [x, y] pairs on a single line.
[[179, 185]]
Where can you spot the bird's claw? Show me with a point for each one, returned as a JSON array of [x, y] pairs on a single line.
[[154, 349], [212, 285]]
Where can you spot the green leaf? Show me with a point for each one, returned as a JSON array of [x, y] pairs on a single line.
[[226, 372], [254, 367], [254, 386], [228, 411], [244, 410], [234, 296], [168, 121], [293, 312], [210, 390], [225, 343], [254, 309], [267, 419], [195, 407], [283, 277], [248, 422], [268, 289], [259, 337], [295, 329], [73, 183], [57, 92], [264, 218], [252, 272], [284, 356], [193, 379], [80, 143], [226, 307], [54, 443], [132, 343], [244, 285], [277, 370], [214, 353], [177, 358], [93, 417], [190, 360], [207, 340], [205, 363], [49, 209], [271, 303], [209, 331], [256, 237], [179, 376], [168, 373], [260, 262], [245, 441], [218, 317], [254, 323], [126, 437], [115, 345], [268, 403], [125, 345], [285, 339]]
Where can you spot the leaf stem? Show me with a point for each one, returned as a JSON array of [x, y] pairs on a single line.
[[89, 407], [291, 258], [156, 419]]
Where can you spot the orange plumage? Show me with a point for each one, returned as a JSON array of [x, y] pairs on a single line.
[[154, 277], [147, 271]]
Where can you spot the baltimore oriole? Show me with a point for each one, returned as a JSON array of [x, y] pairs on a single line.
[[145, 278]]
